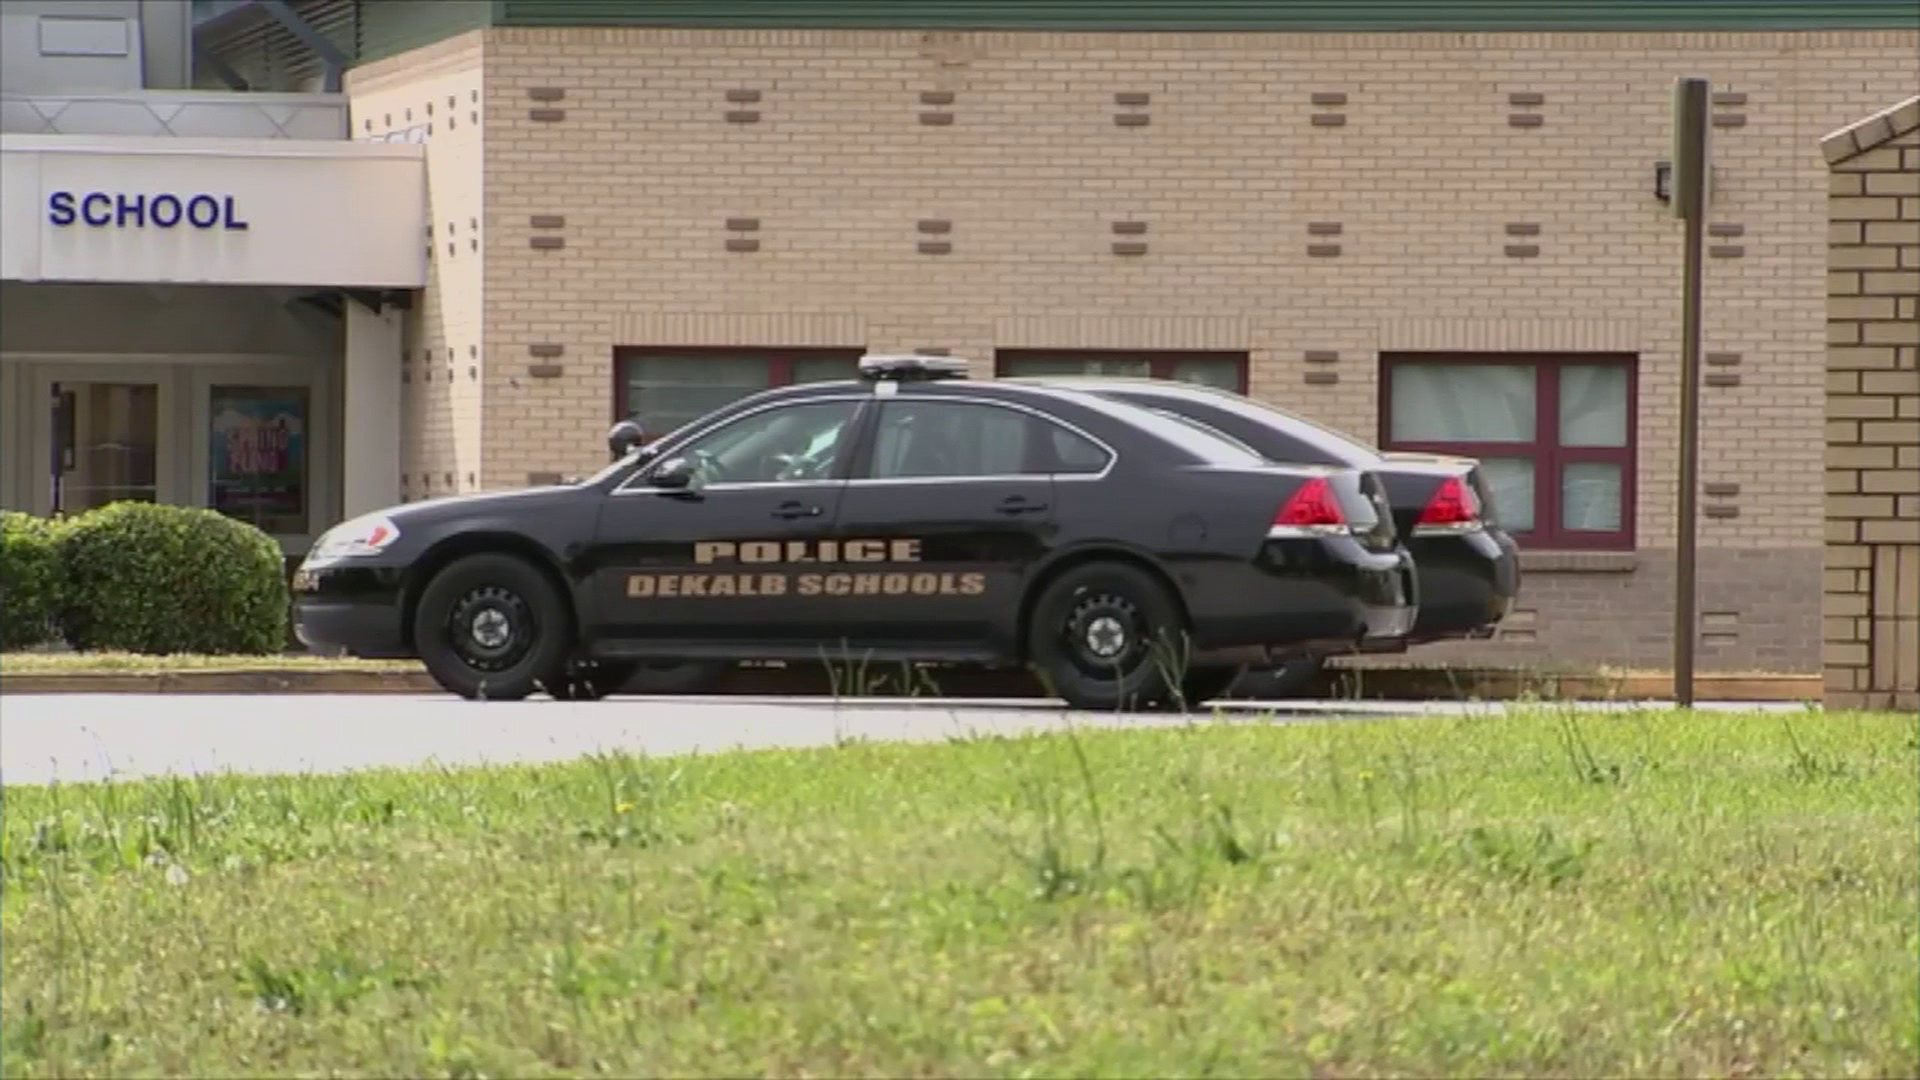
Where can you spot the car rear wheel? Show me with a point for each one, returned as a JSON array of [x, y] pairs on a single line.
[[488, 626], [1106, 635]]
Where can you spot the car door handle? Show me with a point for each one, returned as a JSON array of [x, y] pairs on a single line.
[[792, 510], [1019, 505]]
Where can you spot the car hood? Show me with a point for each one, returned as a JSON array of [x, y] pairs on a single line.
[[515, 504]]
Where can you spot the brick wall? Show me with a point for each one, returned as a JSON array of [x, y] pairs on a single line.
[[1872, 580], [1336, 194], [437, 97]]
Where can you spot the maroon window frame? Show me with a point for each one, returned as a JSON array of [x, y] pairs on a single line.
[[1160, 362], [1548, 456], [780, 364]]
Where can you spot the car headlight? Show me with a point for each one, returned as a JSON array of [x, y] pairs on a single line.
[[354, 539]]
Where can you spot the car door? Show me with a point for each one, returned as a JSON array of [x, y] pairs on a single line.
[[722, 561], [958, 495]]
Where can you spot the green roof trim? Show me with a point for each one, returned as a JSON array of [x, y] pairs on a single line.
[[1459, 16]]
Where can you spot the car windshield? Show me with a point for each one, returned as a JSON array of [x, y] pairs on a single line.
[[607, 472], [649, 447]]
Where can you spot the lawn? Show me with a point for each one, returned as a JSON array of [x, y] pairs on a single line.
[[88, 663], [1544, 893]]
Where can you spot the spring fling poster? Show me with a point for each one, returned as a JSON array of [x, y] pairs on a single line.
[[258, 457]]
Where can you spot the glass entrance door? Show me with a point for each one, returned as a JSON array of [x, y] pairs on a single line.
[[106, 444]]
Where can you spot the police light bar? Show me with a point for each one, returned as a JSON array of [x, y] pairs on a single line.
[[911, 368]]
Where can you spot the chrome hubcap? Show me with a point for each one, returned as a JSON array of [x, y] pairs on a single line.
[[490, 629], [1106, 637], [1104, 632]]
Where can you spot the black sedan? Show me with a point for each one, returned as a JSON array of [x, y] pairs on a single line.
[[1468, 566], [1130, 558]]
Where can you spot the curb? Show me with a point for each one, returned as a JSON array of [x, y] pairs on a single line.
[[1420, 684], [265, 681]]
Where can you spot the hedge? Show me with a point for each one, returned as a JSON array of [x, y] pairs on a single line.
[[31, 586], [149, 578]]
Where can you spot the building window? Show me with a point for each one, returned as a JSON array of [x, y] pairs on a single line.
[[257, 457], [662, 389], [1224, 370], [1554, 435]]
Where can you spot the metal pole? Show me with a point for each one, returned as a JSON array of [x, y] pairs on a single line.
[[1691, 105]]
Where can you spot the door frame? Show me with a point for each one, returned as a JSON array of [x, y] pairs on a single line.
[[16, 449], [40, 377]]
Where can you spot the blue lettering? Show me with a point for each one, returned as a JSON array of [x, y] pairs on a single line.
[[203, 211], [136, 209], [166, 210]]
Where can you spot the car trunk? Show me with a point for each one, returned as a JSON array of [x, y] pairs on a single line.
[[1411, 480]]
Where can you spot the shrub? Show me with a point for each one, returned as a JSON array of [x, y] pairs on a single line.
[[30, 579], [147, 578]]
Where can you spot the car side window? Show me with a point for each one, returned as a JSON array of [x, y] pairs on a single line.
[[1074, 453], [951, 439], [784, 444]]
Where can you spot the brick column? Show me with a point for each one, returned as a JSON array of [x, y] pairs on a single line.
[[1872, 581]]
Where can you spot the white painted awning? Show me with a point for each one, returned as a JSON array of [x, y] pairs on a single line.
[[212, 211]]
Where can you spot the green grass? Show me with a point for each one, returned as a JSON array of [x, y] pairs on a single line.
[[1546, 893], [87, 663]]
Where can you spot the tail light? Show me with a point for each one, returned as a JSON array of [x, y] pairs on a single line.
[[1312, 510], [1454, 508]]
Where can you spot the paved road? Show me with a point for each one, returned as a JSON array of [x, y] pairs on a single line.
[[71, 737]]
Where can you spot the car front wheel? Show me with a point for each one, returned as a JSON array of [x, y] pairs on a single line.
[[489, 626]]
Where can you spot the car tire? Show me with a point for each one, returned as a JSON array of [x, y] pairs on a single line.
[[1092, 636], [589, 682], [488, 626]]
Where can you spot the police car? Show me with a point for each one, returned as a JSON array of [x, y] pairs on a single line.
[[1468, 565], [1129, 557]]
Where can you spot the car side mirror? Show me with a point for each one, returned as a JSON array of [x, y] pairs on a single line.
[[623, 437], [675, 474]]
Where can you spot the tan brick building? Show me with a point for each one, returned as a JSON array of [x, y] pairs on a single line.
[[1873, 412], [1433, 238]]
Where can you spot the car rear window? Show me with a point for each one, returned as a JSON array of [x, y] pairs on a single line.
[[1200, 440], [1204, 427], [1295, 437]]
